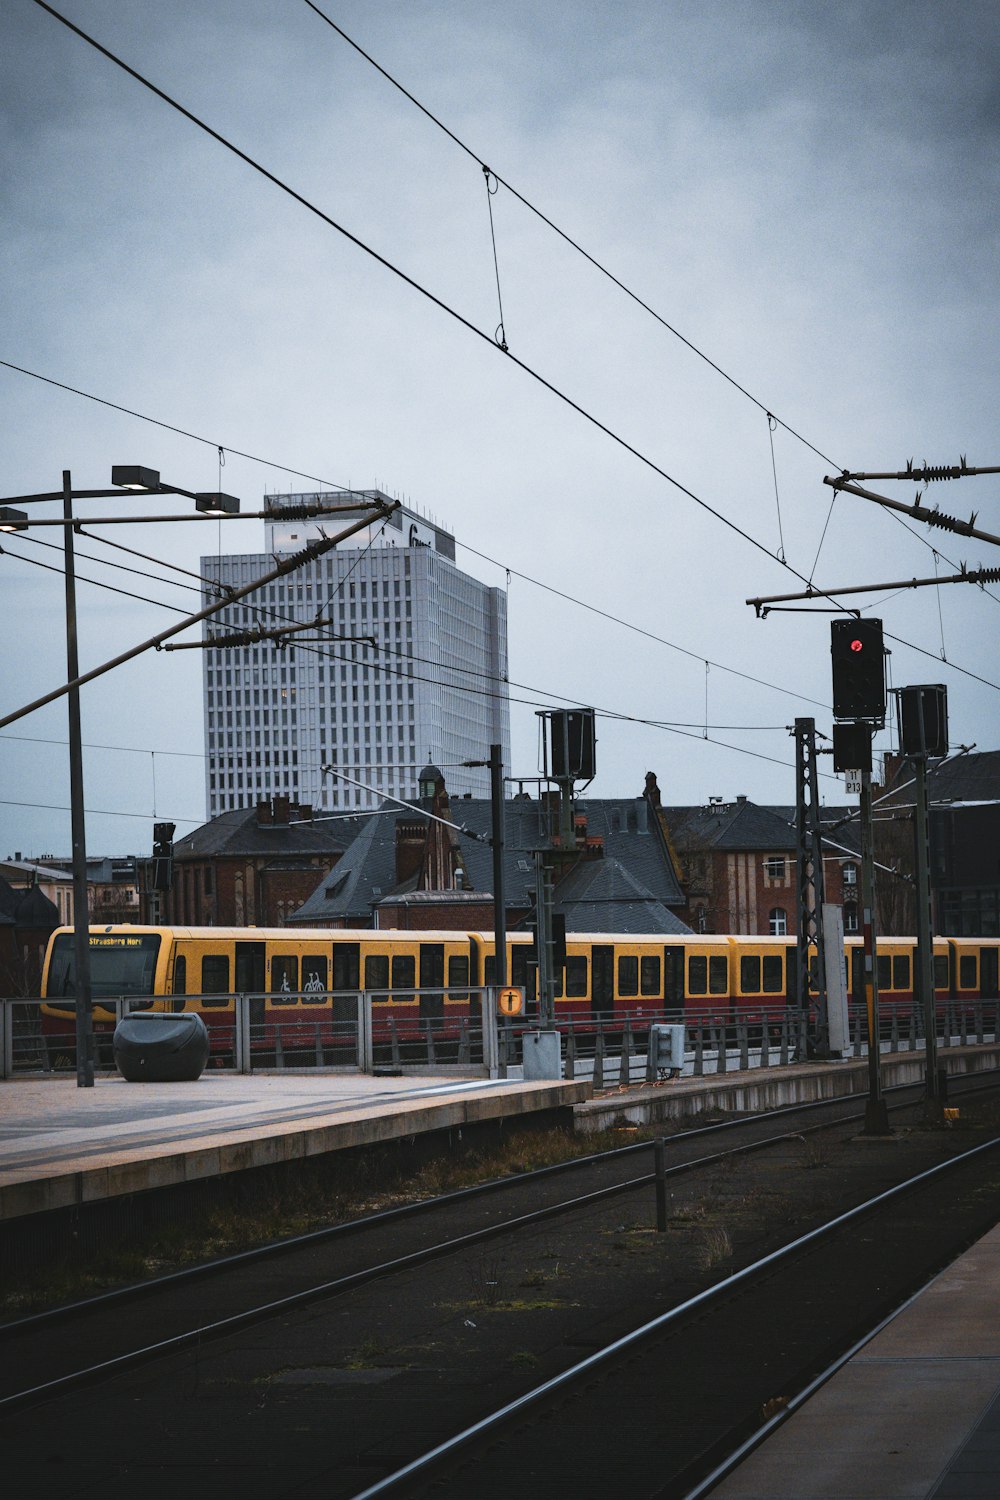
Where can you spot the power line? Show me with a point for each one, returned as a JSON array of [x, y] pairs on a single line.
[[156, 422], [615, 280], [415, 285], [450, 311]]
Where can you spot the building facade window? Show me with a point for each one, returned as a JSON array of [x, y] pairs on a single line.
[[776, 869], [778, 922], [850, 916], [850, 875]]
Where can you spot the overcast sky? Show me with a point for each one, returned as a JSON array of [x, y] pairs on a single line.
[[806, 191]]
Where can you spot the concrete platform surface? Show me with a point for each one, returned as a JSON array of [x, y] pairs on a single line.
[[61, 1145], [914, 1415]]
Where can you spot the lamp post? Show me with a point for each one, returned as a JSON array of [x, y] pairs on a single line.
[[128, 477]]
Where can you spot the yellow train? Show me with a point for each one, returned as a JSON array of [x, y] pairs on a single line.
[[303, 982]]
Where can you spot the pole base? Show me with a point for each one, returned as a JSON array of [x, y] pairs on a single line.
[[876, 1118]]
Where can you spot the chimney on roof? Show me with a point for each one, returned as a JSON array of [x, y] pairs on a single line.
[[652, 792], [281, 805], [303, 811], [264, 813], [741, 800]]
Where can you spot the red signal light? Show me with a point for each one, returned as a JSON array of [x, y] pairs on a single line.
[[857, 645]]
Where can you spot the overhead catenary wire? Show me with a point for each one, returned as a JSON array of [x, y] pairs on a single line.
[[439, 302], [415, 285]]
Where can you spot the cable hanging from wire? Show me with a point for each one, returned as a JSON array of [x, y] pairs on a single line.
[[500, 335]]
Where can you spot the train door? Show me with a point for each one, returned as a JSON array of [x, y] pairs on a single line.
[[250, 980], [988, 975], [431, 978], [673, 979], [602, 981], [346, 976]]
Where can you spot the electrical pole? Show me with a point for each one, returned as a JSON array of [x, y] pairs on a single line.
[[811, 893], [499, 894], [81, 910], [876, 1115]]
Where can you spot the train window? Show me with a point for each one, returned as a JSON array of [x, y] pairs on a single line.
[[774, 979], [458, 974], [967, 971], [628, 975], [750, 974], [284, 980], [718, 976], [576, 975], [884, 972], [377, 971], [490, 969], [180, 974], [215, 977], [404, 973], [697, 976], [901, 971], [649, 976], [940, 971], [314, 974]]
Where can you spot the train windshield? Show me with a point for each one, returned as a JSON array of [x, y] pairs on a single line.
[[120, 964]]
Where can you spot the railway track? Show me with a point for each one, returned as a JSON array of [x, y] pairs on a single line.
[[52, 1353], [680, 1392]]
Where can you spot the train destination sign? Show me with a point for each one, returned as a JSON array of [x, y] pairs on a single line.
[[510, 1001]]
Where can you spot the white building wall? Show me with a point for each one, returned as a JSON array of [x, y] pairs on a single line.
[[435, 687]]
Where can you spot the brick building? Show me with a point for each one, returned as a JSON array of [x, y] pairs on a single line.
[[738, 866], [250, 867]]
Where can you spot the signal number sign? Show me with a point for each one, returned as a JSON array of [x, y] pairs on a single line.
[[510, 1001]]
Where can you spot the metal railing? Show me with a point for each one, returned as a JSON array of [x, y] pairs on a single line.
[[450, 1031], [367, 1031]]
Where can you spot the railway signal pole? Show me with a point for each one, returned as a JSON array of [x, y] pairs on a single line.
[[858, 654]]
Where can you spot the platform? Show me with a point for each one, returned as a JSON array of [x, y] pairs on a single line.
[[915, 1415], [62, 1147]]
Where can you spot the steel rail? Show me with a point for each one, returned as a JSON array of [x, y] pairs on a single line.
[[291, 1244], [233, 1323], [420, 1466]]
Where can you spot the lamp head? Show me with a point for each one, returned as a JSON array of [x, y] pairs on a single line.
[[217, 505], [134, 477], [13, 520]]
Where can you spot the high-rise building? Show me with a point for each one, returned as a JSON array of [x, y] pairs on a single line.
[[423, 679]]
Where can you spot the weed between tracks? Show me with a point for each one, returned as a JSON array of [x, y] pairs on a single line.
[[326, 1192]]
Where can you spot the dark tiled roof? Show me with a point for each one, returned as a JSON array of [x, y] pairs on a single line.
[[967, 778], [737, 825], [629, 832], [600, 895], [239, 833]]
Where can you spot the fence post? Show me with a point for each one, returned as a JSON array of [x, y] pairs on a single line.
[[894, 1032], [979, 1022], [491, 1041], [721, 1060], [569, 1067], [699, 1053], [464, 1045], [765, 1044], [625, 1066], [964, 1032], [241, 1039], [784, 1040], [6, 1039], [366, 1044], [744, 1039], [912, 1043], [599, 1057]]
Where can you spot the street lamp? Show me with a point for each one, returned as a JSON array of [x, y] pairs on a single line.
[[123, 476]]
